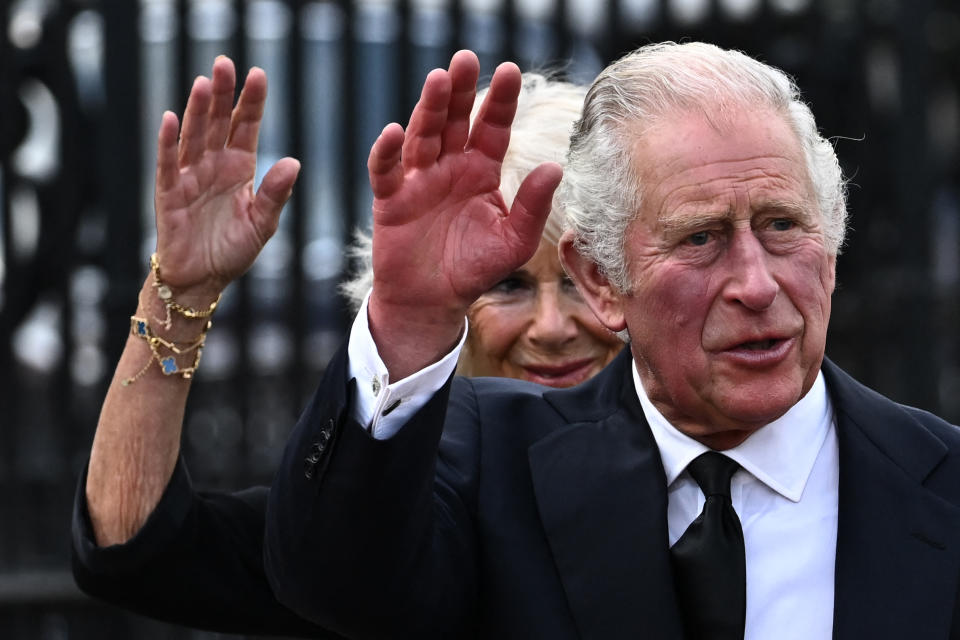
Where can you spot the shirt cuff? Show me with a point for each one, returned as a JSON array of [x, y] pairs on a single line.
[[383, 407]]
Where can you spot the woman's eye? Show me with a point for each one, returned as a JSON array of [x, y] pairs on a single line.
[[510, 284], [699, 238], [569, 287]]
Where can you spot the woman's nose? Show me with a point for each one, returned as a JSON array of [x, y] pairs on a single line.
[[553, 321]]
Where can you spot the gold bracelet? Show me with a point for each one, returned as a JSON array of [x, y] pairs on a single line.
[[168, 364], [166, 296]]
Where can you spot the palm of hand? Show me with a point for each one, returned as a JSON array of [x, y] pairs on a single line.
[[206, 229], [211, 225], [442, 233], [453, 214]]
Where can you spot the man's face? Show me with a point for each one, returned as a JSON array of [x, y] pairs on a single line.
[[730, 279]]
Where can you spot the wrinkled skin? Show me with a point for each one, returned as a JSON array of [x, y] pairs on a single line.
[[442, 232], [730, 278]]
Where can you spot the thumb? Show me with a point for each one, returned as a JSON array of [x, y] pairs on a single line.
[[274, 191], [532, 204]]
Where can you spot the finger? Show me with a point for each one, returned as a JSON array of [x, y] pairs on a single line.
[[530, 209], [274, 191], [195, 119], [421, 146], [490, 133], [384, 163], [168, 168], [224, 85], [464, 71], [246, 117]]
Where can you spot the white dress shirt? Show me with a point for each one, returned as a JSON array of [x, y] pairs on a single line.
[[786, 498], [790, 472], [384, 406]]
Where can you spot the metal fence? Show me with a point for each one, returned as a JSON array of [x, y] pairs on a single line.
[[82, 87]]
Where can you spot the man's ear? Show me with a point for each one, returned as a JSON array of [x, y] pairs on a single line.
[[600, 295]]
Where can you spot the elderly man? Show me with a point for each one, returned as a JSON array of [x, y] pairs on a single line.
[[706, 215]]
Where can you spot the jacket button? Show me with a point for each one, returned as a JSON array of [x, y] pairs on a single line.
[[317, 449], [310, 462]]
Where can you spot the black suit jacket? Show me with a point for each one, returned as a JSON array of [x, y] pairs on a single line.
[[538, 513], [196, 562]]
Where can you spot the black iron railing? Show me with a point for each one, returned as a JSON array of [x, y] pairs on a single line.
[[82, 87]]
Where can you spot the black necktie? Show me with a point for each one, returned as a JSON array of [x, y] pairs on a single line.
[[709, 565]]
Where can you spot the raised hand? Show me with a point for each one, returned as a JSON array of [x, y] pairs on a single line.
[[442, 233], [210, 228], [210, 223]]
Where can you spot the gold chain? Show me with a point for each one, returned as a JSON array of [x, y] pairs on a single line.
[[166, 297]]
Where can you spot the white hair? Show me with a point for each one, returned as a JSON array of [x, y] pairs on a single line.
[[601, 192], [546, 111]]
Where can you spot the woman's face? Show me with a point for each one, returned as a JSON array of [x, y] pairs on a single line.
[[535, 326]]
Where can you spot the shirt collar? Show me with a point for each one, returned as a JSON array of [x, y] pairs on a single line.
[[781, 454]]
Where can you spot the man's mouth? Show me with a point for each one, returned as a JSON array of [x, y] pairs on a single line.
[[763, 353], [758, 345]]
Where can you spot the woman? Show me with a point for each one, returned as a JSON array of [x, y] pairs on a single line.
[[143, 538], [532, 325]]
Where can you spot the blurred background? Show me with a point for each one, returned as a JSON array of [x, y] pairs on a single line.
[[82, 87]]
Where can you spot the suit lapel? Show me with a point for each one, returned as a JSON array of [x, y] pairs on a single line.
[[606, 524], [897, 559]]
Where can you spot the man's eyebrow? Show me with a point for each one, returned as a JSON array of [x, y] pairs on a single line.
[[677, 224], [688, 224], [793, 207]]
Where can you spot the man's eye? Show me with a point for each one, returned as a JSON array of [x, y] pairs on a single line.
[[782, 224], [699, 238]]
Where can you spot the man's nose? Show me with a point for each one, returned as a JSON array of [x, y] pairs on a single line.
[[750, 281], [553, 321]]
